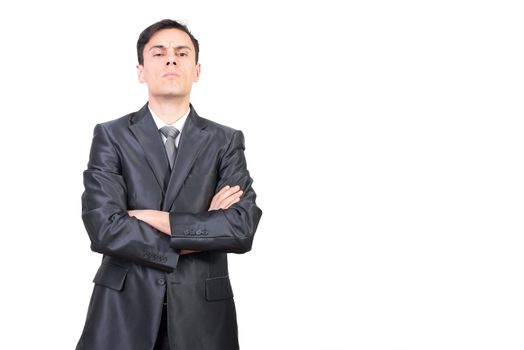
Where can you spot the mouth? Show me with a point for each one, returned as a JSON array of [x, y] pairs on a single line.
[[170, 75]]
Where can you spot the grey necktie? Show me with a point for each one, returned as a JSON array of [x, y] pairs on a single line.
[[170, 132]]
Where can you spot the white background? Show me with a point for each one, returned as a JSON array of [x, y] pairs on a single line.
[[385, 139]]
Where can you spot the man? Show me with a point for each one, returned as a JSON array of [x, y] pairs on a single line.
[[167, 196]]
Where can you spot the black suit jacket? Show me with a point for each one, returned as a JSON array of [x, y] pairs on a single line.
[[128, 169]]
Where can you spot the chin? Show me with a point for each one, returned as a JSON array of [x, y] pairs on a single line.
[[169, 94]]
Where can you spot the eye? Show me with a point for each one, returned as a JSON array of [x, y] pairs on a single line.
[[182, 54], [157, 54]]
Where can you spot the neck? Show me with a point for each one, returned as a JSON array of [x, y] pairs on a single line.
[[169, 110]]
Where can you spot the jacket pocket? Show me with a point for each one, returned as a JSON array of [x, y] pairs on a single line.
[[111, 276], [218, 288]]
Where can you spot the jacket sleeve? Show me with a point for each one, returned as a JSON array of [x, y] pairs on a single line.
[[104, 211], [230, 230]]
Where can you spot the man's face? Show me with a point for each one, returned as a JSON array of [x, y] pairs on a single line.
[[169, 68]]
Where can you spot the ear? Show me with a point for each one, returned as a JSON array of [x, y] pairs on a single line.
[[197, 73], [140, 73]]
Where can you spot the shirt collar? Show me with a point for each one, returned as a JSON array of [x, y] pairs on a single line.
[[179, 124]]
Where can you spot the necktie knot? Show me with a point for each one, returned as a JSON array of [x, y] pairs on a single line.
[[169, 131]]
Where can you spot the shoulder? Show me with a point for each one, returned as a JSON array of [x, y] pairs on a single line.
[[122, 124], [213, 126], [220, 131], [115, 124]]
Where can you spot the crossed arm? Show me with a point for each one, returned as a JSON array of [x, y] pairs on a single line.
[[159, 220], [157, 238]]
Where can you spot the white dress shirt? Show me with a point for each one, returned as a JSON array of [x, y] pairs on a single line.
[[179, 124]]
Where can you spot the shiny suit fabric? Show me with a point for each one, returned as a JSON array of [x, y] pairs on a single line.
[[128, 169]]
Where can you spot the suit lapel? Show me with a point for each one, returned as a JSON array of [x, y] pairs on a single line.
[[192, 140], [145, 130]]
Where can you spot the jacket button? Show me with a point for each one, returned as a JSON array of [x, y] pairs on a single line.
[[161, 281]]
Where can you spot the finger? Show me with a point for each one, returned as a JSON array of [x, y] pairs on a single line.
[[216, 197], [231, 203], [222, 190], [231, 191], [232, 199], [223, 195]]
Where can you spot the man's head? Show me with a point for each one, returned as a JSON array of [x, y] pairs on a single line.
[[146, 35], [168, 60]]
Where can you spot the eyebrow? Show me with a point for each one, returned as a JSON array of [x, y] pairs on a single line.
[[164, 48]]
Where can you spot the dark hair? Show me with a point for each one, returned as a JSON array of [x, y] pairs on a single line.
[[146, 35]]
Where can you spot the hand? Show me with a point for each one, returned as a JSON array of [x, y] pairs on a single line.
[[225, 198], [187, 251], [137, 213], [158, 219]]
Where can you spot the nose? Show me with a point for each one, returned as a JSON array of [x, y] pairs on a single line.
[[171, 58]]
